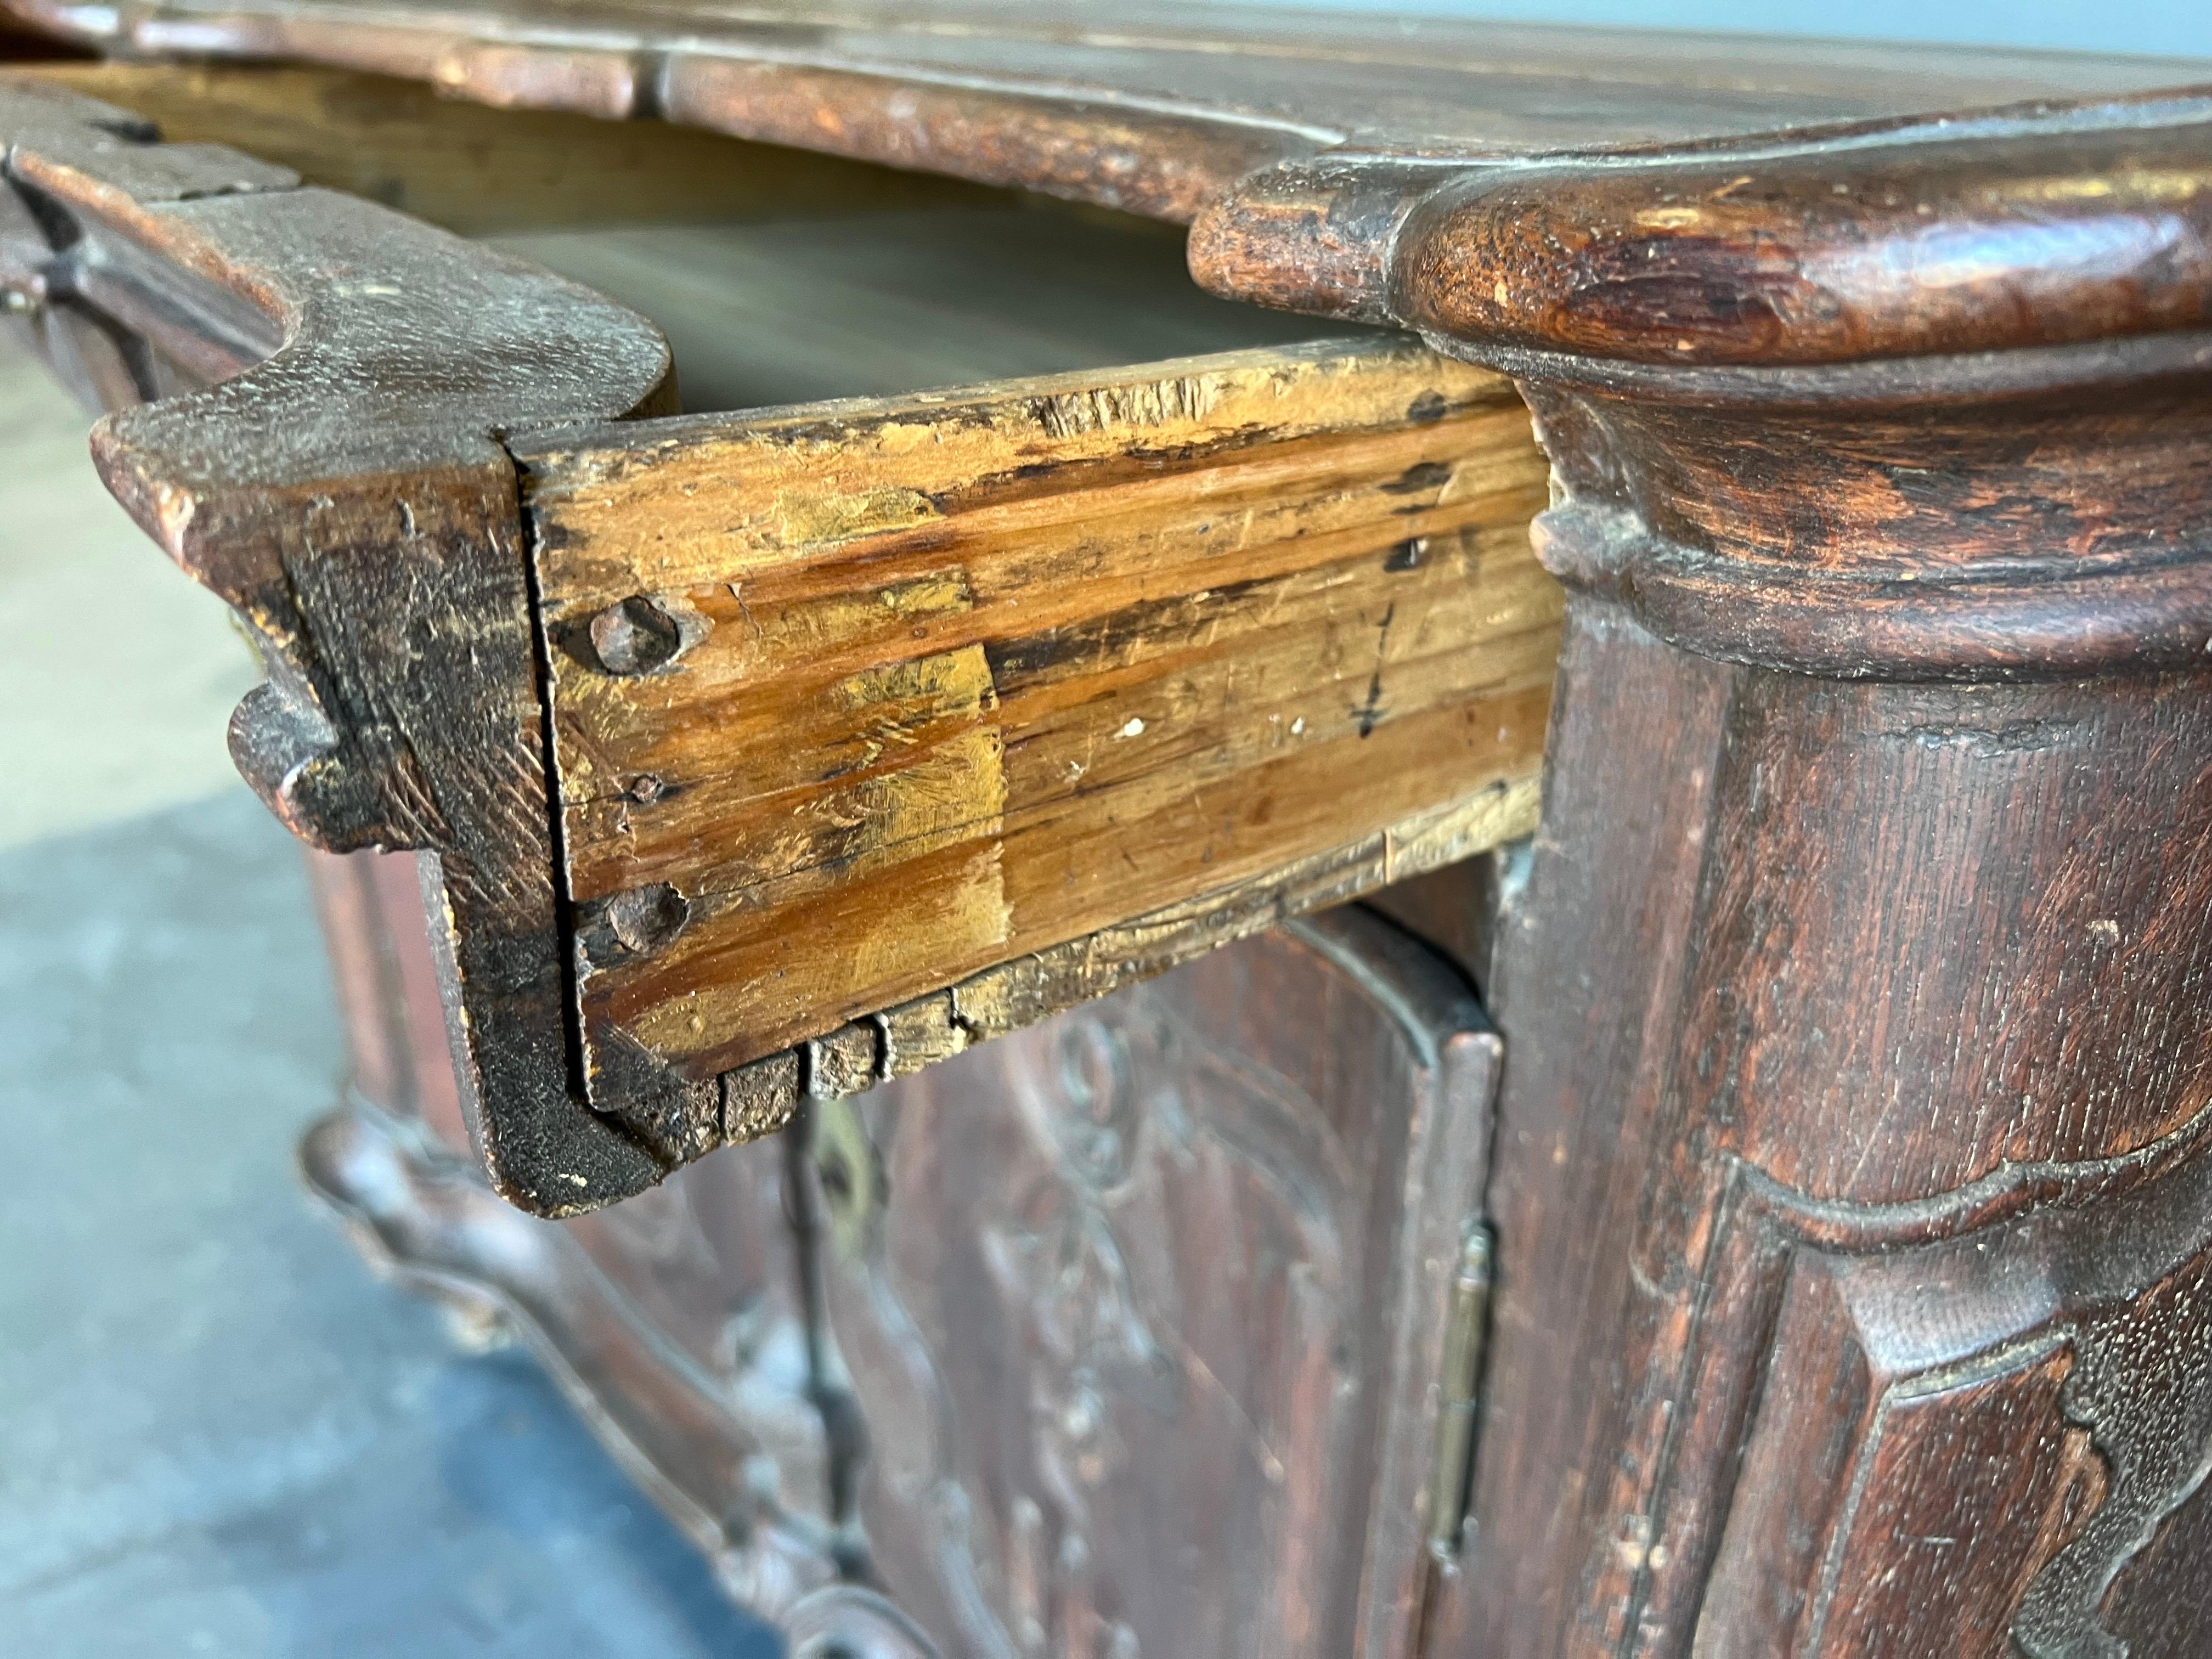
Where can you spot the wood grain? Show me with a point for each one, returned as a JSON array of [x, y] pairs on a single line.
[[1143, 105], [1852, 1193], [1210, 1222], [945, 682], [479, 171], [1212, 1219], [1758, 204], [1890, 747]]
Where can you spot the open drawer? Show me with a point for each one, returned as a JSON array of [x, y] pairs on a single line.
[[767, 752]]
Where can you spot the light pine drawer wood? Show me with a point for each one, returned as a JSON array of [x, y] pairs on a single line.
[[853, 702]]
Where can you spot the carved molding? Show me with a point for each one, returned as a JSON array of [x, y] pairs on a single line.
[[2058, 1355], [1334, 1175]]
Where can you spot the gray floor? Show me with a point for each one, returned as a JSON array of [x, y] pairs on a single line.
[[218, 1434]]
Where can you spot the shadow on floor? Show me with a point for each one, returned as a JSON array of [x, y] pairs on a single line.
[[218, 1434]]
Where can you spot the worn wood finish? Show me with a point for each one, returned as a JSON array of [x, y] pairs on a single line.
[[723, 1333], [779, 275], [1860, 1262], [480, 171], [1898, 240], [1871, 1158], [853, 703], [404, 709], [1851, 1191], [1213, 1221], [1154, 107]]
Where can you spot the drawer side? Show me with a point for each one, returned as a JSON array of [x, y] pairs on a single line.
[[881, 726]]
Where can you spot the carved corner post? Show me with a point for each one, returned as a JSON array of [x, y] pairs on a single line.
[[1855, 1218], [1858, 1023]]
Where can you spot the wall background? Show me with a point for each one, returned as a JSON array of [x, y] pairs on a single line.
[[2183, 27]]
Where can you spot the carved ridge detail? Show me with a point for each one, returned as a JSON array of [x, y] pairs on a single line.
[[1768, 250], [2009, 1190], [1084, 1158], [2042, 618], [2146, 1400]]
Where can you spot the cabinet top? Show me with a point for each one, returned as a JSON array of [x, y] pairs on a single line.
[[1169, 103], [1622, 196]]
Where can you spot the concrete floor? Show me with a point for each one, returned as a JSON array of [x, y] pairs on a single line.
[[218, 1434]]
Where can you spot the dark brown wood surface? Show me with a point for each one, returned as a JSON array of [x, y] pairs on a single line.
[[1868, 1149], [1212, 1225], [480, 171], [1148, 105], [1212, 1222], [1638, 197]]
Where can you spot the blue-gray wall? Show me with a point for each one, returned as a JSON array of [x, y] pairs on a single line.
[[2182, 27]]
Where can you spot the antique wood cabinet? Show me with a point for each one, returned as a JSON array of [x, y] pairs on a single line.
[[1124, 835]]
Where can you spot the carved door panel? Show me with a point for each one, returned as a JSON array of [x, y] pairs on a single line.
[[1145, 1308], [1984, 1444]]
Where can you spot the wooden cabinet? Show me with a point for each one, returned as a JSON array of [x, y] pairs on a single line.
[[960, 793]]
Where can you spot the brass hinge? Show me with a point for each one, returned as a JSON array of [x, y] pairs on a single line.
[[1453, 1461]]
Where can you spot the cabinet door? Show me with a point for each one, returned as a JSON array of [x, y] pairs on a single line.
[[1143, 1308]]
